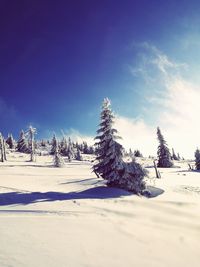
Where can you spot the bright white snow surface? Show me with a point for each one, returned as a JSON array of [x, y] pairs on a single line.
[[67, 217]]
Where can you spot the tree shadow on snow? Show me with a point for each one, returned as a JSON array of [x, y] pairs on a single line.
[[91, 181], [154, 191], [100, 192], [29, 165]]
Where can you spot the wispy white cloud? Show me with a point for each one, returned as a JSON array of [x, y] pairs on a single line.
[[78, 137], [153, 59], [180, 116], [136, 134], [175, 101]]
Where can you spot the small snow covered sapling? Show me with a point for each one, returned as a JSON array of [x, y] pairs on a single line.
[[53, 145], [10, 141], [58, 160], [137, 153], [22, 144], [31, 132], [134, 177], [63, 146], [78, 155], [70, 151], [174, 156]]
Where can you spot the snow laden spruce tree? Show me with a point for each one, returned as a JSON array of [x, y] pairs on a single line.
[[108, 151], [70, 150], [109, 157], [58, 160], [197, 159], [78, 155], [174, 156], [63, 146], [164, 156], [31, 133], [10, 141], [22, 144], [53, 145]]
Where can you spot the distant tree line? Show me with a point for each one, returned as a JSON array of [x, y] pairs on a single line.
[[109, 163], [27, 143]]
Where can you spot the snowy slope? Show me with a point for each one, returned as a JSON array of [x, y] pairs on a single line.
[[67, 217]]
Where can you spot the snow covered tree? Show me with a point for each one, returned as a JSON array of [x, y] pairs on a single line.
[[78, 155], [133, 178], [53, 145], [174, 156], [70, 150], [137, 153], [43, 143], [85, 148], [108, 151], [91, 150], [80, 147], [197, 159], [63, 146], [109, 156], [130, 153], [10, 141], [164, 156], [22, 144], [2, 148], [77, 145], [58, 160], [31, 133]]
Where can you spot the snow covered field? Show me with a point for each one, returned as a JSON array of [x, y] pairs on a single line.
[[67, 217]]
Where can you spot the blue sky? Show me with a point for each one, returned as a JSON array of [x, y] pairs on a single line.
[[60, 59]]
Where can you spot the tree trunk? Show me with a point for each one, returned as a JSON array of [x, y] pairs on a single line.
[[4, 149], [1, 147], [156, 170]]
